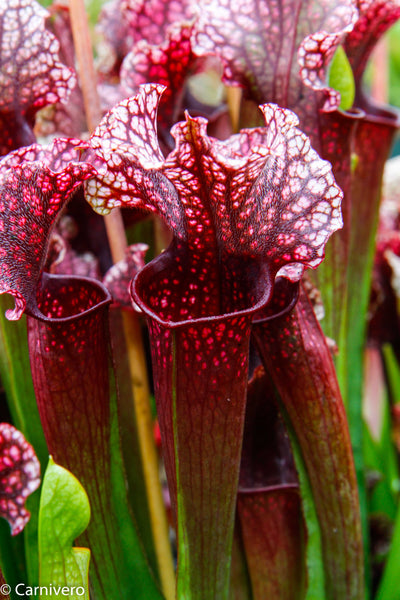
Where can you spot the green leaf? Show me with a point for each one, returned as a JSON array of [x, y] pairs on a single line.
[[64, 515], [390, 583], [314, 554], [380, 457], [392, 371], [12, 561], [340, 78], [382, 498], [15, 374]]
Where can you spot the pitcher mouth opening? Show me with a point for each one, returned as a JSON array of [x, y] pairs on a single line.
[[61, 298], [276, 487], [174, 297]]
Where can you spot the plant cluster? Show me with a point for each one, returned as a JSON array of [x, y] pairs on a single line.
[[194, 215]]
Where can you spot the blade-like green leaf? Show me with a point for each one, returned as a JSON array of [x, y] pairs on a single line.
[[12, 561], [341, 78], [392, 370], [64, 515], [390, 583], [15, 373], [379, 451], [315, 562]]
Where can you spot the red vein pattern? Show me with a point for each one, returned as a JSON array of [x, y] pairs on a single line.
[[200, 362], [19, 476], [126, 22], [35, 185], [31, 74], [239, 210], [70, 351], [258, 42], [169, 64], [263, 193], [375, 17], [151, 19]]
